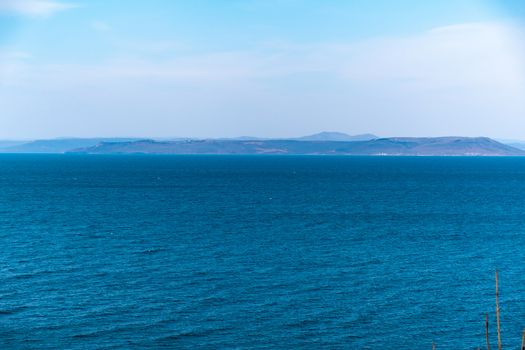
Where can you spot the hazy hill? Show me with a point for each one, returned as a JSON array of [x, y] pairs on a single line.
[[518, 145], [322, 136], [57, 145], [440, 146], [63, 145], [336, 136], [9, 143]]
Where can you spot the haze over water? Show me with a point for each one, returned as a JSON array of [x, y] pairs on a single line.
[[258, 252]]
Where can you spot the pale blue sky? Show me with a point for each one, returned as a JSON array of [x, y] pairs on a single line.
[[211, 68]]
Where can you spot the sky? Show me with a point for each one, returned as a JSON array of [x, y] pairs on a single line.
[[267, 68]]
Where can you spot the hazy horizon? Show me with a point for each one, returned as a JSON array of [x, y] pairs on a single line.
[[210, 69], [262, 137]]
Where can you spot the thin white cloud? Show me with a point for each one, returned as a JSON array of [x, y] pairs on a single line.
[[464, 79], [34, 7], [467, 55], [462, 55]]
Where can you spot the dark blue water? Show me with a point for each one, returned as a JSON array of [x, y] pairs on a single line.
[[233, 252]]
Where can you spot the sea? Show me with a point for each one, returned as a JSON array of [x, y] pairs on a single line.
[[260, 252]]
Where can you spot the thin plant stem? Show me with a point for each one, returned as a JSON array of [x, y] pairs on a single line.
[[487, 331], [497, 311]]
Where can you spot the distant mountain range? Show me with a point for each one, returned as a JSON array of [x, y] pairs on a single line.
[[441, 146], [55, 145], [325, 143], [64, 145], [322, 136], [336, 136]]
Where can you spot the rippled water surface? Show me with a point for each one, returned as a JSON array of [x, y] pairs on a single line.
[[259, 252]]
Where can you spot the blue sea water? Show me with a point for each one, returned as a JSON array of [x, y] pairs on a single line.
[[259, 252]]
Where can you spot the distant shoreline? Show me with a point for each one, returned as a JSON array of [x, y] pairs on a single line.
[[378, 147]]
